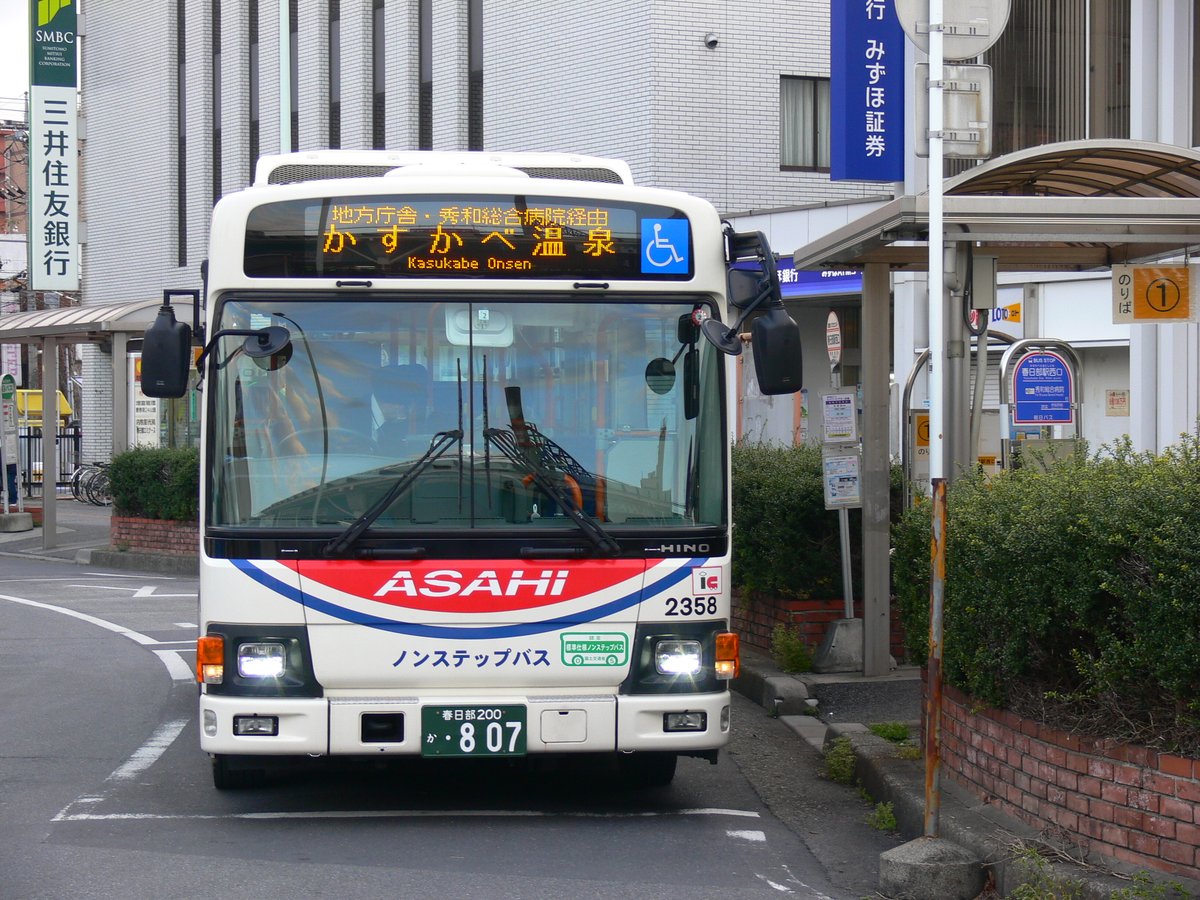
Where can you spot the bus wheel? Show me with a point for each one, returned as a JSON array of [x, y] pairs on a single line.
[[235, 773], [648, 769]]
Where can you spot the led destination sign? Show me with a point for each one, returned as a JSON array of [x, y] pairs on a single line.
[[466, 237]]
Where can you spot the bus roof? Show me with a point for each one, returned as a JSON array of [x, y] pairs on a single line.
[[290, 168]]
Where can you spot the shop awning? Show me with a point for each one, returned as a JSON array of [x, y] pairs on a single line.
[[94, 322], [1075, 205]]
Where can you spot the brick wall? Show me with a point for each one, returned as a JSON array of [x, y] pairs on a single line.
[[1128, 803], [754, 621], [155, 536]]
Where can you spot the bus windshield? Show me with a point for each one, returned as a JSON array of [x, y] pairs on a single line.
[[535, 412]]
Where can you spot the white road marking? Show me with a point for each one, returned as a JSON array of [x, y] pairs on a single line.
[[146, 755], [149, 591], [185, 624], [815, 894], [72, 578], [139, 577], [102, 587], [139, 761], [74, 614], [64, 816], [176, 666], [782, 888], [753, 836], [136, 636], [146, 590]]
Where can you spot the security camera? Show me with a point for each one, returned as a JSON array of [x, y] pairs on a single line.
[[711, 41]]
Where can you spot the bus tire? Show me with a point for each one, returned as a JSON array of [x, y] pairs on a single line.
[[235, 773], [648, 768]]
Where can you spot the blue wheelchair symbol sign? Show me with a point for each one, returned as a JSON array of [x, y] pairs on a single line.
[[666, 247]]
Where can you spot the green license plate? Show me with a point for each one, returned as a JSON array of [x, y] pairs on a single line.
[[473, 731]]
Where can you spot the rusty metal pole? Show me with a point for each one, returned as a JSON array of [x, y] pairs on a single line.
[[933, 685]]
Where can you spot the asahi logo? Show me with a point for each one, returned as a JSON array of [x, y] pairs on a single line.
[[452, 583]]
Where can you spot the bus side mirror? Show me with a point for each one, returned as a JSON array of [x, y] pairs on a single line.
[[745, 286], [166, 356], [775, 339]]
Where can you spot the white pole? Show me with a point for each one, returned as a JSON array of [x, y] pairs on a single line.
[[937, 431], [937, 313]]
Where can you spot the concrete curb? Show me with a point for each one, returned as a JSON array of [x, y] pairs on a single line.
[[158, 563], [985, 831]]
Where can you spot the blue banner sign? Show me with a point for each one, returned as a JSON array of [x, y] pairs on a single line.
[[798, 283], [1043, 390], [866, 91]]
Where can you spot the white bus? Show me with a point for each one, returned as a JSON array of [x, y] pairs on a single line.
[[466, 460]]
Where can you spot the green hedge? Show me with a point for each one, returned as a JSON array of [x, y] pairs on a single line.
[[1073, 589], [157, 484], [785, 542]]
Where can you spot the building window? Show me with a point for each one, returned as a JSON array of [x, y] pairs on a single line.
[[1055, 79], [803, 123], [425, 74], [335, 74], [475, 75], [294, 73], [255, 87], [181, 131], [1196, 77], [378, 78], [216, 102]]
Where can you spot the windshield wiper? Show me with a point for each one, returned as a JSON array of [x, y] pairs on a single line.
[[506, 442], [441, 442]]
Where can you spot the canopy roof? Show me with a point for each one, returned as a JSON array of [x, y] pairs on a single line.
[[1074, 205], [95, 322]]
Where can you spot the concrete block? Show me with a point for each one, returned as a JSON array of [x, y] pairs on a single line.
[[842, 648], [783, 695], [930, 869], [16, 521]]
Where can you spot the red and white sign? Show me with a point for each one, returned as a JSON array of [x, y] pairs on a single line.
[[471, 586], [833, 339]]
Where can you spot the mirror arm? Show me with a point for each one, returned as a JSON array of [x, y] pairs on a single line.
[[270, 340]]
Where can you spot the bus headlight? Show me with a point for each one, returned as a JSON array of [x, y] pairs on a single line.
[[261, 659], [673, 657]]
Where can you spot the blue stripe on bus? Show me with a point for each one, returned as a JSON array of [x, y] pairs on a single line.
[[283, 589]]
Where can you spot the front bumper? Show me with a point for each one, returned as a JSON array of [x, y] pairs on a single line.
[[335, 725]]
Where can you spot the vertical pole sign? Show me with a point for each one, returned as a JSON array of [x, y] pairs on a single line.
[[841, 456], [53, 147], [866, 91], [8, 441]]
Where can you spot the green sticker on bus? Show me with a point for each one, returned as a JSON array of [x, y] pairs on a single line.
[[595, 649]]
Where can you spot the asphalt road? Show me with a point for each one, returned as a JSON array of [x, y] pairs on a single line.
[[104, 792]]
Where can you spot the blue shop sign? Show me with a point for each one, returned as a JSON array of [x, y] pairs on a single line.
[[866, 91], [796, 284], [799, 284]]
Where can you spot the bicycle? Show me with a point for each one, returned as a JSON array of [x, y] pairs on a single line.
[[90, 483]]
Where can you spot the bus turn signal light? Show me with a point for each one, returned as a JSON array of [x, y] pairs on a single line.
[[728, 663], [210, 659]]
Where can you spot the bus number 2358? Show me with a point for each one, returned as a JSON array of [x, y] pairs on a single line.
[[691, 606]]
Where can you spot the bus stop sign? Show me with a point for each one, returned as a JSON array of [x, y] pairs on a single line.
[[1043, 390]]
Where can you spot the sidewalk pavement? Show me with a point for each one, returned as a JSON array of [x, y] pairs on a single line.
[[82, 535], [846, 704]]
